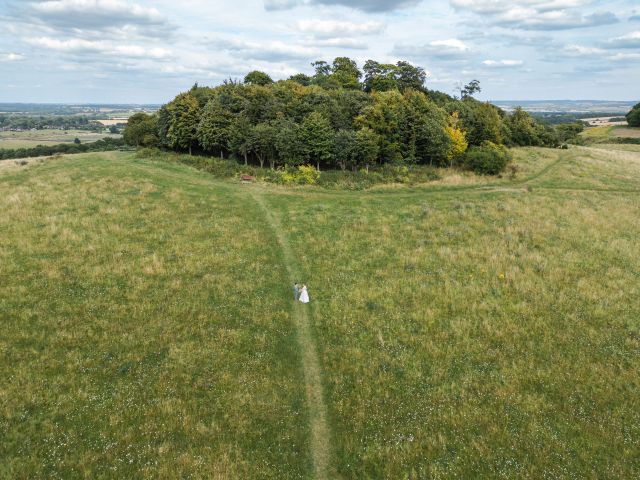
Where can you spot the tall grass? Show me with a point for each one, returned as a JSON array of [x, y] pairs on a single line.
[[470, 328], [146, 328], [480, 335]]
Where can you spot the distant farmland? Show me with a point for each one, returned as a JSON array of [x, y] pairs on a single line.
[[32, 138]]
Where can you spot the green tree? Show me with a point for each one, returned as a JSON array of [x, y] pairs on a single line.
[[288, 141], [367, 147], [239, 136], [263, 144], [523, 128], [382, 77], [423, 126], [185, 117], [301, 78], [345, 148], [214, 129], [379, 77], [201, 94], [165, 118], [384, 117], [470, 89], [569, 131], [257, 77], [481, 121], [409, 76], [321, 68], [346, 73], [317, 139], [141, 130], [633, 117]]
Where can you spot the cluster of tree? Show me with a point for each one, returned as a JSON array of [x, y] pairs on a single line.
[[103, 145], [633, 117], [339, 117], [28, 122]]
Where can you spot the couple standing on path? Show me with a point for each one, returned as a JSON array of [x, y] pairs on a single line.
[[300, 293]]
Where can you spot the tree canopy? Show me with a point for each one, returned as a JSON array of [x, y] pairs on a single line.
[[633, 117], [257, 78], [338, 117]]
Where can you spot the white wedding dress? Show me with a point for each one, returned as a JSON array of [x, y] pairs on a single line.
[[304, 295]]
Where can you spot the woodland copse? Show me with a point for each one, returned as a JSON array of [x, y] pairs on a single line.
[[342, 117]]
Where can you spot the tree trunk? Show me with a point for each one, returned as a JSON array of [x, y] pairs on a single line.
[[271, 164], [189, 149], [221, 154], [318, 165], [245, 159], [261, 160], [343, 166]]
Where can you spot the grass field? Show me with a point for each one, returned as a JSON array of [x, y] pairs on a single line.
[[469, 328], [48, 137], [610, 131]]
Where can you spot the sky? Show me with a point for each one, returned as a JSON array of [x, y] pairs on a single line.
[[115, 51]]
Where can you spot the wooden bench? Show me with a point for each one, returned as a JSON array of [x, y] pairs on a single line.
[[246, 178]]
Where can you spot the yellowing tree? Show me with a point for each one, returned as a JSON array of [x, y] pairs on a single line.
[[458, 140]]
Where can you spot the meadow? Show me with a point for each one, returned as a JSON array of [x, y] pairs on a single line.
[[28, 139], [470, 327], [608, 132]]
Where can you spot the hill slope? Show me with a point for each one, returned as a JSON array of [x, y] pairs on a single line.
[[485, 329]]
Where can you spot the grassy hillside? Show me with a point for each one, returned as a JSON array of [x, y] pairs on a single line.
[[146, 327], [468, 328]]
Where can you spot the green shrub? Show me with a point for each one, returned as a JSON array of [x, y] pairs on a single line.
[[487, 159], [301, 175]]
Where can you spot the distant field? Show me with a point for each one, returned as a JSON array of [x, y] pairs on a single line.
[[114, 121], [598, 121], [611, 131], [48, 137], [627, 132], [473, 327]]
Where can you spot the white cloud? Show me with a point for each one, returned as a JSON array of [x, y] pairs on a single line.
[[94, 17], [363, 5], [272, 51], [451, 44], [446, 49], [350, 43], [10, 57], [630, 40], [499, 6], [79, 46], [503, 63], [536, 14], [334, 28], [114, 11], [625, 57], [574, 50]]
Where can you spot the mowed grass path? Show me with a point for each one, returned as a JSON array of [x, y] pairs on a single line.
[[469, 329], [146, 328]]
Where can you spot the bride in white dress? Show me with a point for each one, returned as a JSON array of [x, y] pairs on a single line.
[[304, 295]]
